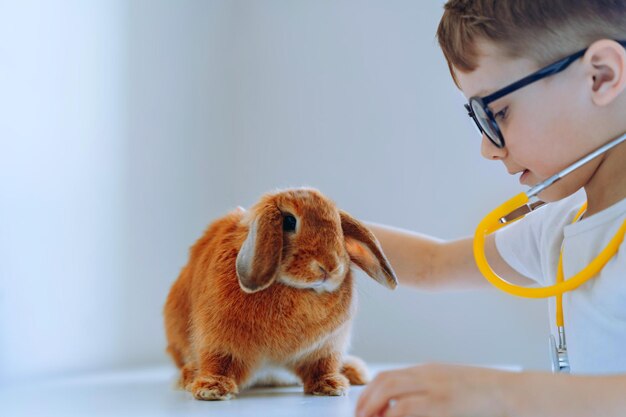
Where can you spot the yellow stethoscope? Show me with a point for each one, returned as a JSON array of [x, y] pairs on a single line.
[[515, 209]]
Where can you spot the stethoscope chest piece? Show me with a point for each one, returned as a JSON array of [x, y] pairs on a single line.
[[558, 354]]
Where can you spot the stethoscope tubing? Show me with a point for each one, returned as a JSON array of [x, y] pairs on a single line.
[[499, 217], [493, 221]]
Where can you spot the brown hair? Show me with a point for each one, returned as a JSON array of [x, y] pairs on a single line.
[[541, 30]]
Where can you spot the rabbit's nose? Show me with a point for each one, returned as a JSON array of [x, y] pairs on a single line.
[[328, 269], [325, 272]]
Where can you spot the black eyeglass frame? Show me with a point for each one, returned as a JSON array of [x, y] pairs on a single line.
[[483, 102]]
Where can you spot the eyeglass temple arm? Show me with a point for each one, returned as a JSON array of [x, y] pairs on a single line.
[[558, 66], [544, 72]]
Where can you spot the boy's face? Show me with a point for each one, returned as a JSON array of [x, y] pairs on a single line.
[[546, 125]]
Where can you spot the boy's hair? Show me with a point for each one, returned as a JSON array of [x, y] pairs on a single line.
[[540, 30]]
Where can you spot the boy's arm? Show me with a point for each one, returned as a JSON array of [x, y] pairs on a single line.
[[426, 262], [540, 394], [456, 390]]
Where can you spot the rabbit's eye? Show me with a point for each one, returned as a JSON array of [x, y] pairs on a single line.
[[289, 223]]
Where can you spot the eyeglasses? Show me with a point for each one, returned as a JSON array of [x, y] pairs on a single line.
[[478, 109]]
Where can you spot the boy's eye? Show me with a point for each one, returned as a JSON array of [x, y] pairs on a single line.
[[501, 115]]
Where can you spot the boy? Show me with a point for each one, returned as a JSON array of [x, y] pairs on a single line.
[[539, 129]]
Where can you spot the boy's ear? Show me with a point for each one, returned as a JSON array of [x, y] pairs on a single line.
[[606, 60]]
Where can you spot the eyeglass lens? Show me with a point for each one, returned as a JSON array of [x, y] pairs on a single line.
[[485, 123]]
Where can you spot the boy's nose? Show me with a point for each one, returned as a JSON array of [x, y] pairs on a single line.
[[491, 151]]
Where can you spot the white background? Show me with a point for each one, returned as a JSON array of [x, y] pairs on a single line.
[[126, 127]]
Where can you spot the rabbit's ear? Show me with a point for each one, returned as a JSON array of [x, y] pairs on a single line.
[[365, 251], [260, 255]]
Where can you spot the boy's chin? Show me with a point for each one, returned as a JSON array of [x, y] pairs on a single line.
[[556, 192]]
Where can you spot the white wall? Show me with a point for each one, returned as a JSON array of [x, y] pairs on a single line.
[[127, 127], [114, 157], [62, 164]]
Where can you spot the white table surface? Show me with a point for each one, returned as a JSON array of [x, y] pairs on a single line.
[[151, 392]]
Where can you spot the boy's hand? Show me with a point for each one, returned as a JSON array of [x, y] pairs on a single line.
[[434, 390]]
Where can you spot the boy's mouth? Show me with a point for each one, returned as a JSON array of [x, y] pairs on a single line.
[[524, 176]]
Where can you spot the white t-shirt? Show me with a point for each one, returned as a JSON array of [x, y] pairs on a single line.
[[595, 313]]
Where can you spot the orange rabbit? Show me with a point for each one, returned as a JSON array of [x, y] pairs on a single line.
[[272, 287]]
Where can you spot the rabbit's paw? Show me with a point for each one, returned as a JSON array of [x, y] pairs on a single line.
[[355, 370], [187, 376], [214, 387], [330, 384]]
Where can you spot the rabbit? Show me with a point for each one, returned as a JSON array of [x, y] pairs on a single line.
[[272, 286]]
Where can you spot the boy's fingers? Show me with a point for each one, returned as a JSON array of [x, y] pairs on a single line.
[[382, 389], [370, 388], [373, 402], [409, 405], [374, 391]]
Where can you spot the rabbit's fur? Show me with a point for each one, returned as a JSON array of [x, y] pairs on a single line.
[[256, 293]]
